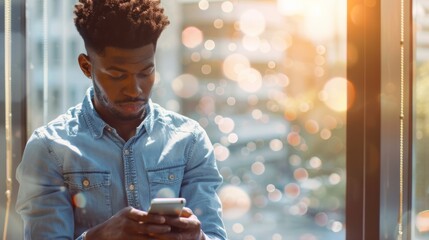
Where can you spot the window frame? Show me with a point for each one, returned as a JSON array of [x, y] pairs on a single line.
[[19, 113], [373, 168]]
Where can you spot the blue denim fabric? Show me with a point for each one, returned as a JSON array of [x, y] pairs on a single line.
[[77, 172]]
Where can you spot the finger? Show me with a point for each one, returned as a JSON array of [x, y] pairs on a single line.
[[147, 228], [184, 223], [186, 212], [143, 217], [178, 236], [135, 214]]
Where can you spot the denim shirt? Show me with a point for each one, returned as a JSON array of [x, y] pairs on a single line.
[[77, 172]]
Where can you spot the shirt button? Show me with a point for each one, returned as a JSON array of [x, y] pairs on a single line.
[[126, 152], [131, 187], [171, 177], [85, 182]]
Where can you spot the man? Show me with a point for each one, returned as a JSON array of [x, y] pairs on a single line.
[[92, 172]]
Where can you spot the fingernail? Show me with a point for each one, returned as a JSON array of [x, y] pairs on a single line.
[[162, 220]]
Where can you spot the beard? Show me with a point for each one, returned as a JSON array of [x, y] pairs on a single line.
[[112, 111]]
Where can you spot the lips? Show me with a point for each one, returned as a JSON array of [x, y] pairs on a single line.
[[132, 106]]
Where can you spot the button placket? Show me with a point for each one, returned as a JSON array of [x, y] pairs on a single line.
[[130, 176]]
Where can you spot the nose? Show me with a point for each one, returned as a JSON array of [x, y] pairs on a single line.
[[133, 88]]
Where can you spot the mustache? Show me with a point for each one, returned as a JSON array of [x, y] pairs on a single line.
[[131, 100]]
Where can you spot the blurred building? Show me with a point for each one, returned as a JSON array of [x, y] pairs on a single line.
[[252, 74]]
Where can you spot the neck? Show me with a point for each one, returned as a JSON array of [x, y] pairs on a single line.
[[125, 128]]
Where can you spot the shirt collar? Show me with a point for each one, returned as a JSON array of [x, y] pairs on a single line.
[[149, 120], [96, 125]]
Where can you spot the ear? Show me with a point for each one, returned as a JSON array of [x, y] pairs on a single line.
[[85, 65]]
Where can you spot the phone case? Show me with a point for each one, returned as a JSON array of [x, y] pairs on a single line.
[[167, 206]]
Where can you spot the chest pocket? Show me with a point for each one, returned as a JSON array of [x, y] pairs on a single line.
[[166, 182], [90, 195]]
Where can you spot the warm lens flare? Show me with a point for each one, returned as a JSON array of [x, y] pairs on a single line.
[[422, 221], [338, 94]]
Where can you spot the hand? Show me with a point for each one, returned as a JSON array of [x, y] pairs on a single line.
[[129, 223], [187, 226]]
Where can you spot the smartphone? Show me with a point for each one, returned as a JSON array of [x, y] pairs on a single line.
[[167, 206]]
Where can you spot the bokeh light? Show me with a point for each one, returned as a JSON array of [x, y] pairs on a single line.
[[312, 126], [209, 44], [185, 85], [235, 202], [275, 195], [294, 160], [334, 94], [203, 4], [334, 178], [336, 226], [221, 152], [321, 219], [315, 163], [292, 190], [290, 7], [206, 69], [218, 23], [165, 193], [226, 125], [276, 145], [294, 139], [192, 37], [227, 6], [234, 64], [300, 174], [252, 22], [325, 134], [79, 200], [281, 41], [237, 227], [258, 168], [232, 138], [250, 80], [422, 221], [251, 43]]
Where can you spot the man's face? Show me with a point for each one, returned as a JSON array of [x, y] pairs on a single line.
[[123, 80]]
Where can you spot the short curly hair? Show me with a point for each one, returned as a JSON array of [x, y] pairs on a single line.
[[119, 23]]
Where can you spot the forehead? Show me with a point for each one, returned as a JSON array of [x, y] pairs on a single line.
[[113, 55]]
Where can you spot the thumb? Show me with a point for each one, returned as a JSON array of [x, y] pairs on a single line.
[[186, 212]]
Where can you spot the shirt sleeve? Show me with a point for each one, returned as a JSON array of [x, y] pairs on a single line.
[[43, 201], [200, 183]]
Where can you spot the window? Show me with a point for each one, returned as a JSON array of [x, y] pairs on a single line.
[[420, 209], [267, 80]]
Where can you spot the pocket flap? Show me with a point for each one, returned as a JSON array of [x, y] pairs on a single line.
[[86, 180]]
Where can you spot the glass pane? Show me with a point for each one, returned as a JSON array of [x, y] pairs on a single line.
[[266, 79], [12, 117], [420, 210]]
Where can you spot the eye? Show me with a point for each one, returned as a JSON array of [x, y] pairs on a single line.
[[147, 72], [117, 76]]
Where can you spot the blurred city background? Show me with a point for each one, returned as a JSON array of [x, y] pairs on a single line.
[[265, 78]]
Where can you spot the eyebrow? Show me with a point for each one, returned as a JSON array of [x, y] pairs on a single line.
[[114, 68]]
